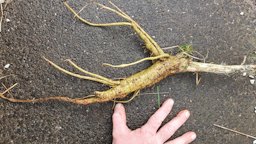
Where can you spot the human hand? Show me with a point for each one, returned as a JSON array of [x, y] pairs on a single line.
[[149, 133]]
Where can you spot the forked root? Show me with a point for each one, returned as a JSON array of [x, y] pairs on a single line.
[[98, 24], [151, 45], [111, 82], [95, 77], [164, 66]]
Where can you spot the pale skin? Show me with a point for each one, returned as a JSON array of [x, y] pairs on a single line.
[[151, 132]]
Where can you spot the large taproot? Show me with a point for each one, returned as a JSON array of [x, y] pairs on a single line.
[[163, 65]]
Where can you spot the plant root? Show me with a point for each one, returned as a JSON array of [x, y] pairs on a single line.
[[164, 65], [107, 80], [198, 79], [84, 100], [2, 77], [129, 100], [151, 45], [96, 78], [2, 8], [1, 16], [139, 61], [96, 24]]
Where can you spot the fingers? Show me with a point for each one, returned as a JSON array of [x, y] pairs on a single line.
[[119, 120], [171, 127], [158, 117], [184, 139], [120, 109]]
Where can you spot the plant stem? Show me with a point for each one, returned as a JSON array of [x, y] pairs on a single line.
[[220, 69]]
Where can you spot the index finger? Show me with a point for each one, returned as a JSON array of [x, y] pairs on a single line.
[[158, 117]]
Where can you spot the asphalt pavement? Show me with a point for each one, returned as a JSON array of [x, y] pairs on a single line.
[[35, 28]]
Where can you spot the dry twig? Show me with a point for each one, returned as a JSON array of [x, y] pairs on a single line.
[[237, 132]]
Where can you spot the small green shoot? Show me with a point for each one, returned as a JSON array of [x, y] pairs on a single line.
[[186, 48]]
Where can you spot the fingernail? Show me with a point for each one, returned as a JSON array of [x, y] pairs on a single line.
[[193, 136], [118, 106], [170, 101], [187, 113]]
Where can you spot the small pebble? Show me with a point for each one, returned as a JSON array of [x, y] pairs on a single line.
[[252, 81], [251, 76], [241, 13], [58, 128], [254, 109], [7, 66], [254, 142], [7, 20], [244, 74]]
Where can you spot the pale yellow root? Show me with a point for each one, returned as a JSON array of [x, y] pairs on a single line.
[[136, 62], [80, 76], [6, 88], [114, 104], [129, 100], [2, 77], [119, 10], [9, 88], [84, 100], [148, 40], [1, 16], [198, 79], [96, 24], [92, 74], [80, 10], [150, 43]]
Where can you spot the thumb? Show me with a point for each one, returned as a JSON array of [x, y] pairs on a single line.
[[119, 120]]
